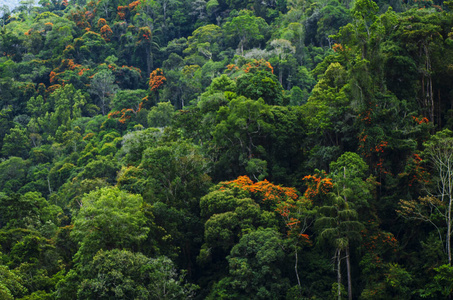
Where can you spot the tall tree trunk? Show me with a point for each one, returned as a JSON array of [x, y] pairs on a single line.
[[423, 97], [295, 266], [103, 105], [148, 61], [430, 95], [348, 267], [449, 227], [348, 262], [339, 273], [439, 114], [48, 185]]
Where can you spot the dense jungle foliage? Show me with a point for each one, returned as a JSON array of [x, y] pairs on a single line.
[[226, 149]]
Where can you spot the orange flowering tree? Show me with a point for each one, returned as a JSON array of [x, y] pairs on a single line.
[[253, 66], [421, 120], [295, 211], [266, 192], [258, 65], [123, 115], [280, 201], [122, 11], [69, 72], [133, 5], [106, 32], [82, 18], [374, 150], [156, 79], [283, 200], [318, 186], [127, 104], [101, 22]]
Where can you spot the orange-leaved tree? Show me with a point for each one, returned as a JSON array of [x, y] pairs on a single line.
[[318, 186], [127, 104], [295, 211], [156, 79], [106, 32]]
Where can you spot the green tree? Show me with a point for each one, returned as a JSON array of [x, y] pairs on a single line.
[[134, 144], [108, 219], [338, 223], [441, 285], [36, 106], [11, 284], [329, 100], [205, 40], [30, 210], [120, 274], [365, 14], [246, 28], [161, 115], [174, 177], [13, 172], [261, 84], [333, 16], [241, 125], [61, 36], [229, 213], [128, 99], [424, 35], [338, 226], [68, 104], [146, 40], [348, 173], [91, 46], [103, 167], [176, 174], [254, 268], [16, 143]]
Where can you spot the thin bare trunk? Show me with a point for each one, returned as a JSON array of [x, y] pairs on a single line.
[[295, 266], [103, 105], [348, 262], [250, 147], [148, 61], [449, 232], [450, 202], [348, 267], [439, 121], [339, 273], [422, 100], [430, 86], [48, 184]]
